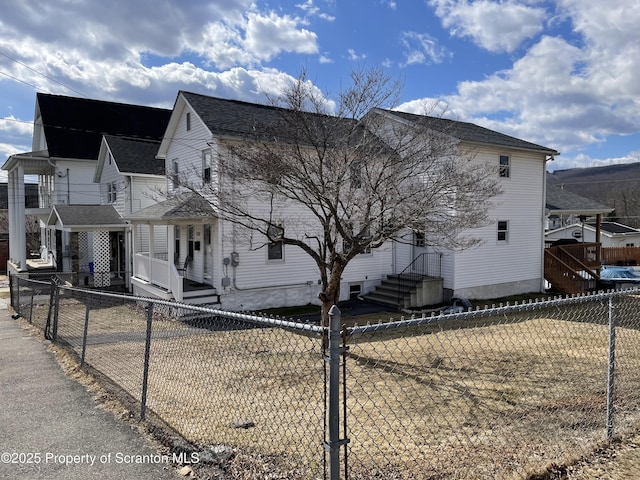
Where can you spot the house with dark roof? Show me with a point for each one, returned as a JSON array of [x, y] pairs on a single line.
[[612, 234], [66, 145], [566, 208], [209, 252]]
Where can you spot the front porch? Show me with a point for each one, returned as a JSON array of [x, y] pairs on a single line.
[[156, 276]]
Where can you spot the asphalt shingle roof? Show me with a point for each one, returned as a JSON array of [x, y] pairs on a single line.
[[560, 200], [182, 206], [87, 215], [613, 227], [243, 119], [134, 155], [74, 127], [472, 133]]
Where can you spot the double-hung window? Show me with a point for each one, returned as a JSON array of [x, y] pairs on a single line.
[[503, 231], [275, 249], [112, 192], [206, 166], [505, 166], [174, 174]]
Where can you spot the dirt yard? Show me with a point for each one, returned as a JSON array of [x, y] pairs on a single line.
[[500, 401]]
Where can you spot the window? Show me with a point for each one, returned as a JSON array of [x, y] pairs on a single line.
[[112, 190], [504, 166], [176, 248], [503, 231], [355, 170], [206, 166], [174, 174], [275, 249], [188, 120], [418, 239]]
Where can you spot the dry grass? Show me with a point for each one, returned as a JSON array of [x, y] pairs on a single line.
[[498, 401]]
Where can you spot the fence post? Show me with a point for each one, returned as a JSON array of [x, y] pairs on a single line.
[[86, 328], [11, 290], [31, 306], [56, 311], [334, 443], [145, 372], [611, 368], [16, 307]]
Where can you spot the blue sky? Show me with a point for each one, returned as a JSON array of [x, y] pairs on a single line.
[[563, 73]]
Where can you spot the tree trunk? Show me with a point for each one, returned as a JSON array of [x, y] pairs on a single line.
[[331, 294]]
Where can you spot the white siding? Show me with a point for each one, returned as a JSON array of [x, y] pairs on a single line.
[[141, 190], [521, 204], [76, 185], [188, 150], [112, 177]]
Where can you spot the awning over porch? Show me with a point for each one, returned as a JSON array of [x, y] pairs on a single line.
[[86, 217], [185, 206]]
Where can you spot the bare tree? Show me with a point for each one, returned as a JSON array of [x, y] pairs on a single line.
[[339, 184]]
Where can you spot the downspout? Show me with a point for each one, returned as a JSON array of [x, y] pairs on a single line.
[[544, 217]]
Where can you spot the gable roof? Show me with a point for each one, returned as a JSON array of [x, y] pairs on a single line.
[[135, 155], [470, 132], [73, 127], [560, 201], [84, 216]]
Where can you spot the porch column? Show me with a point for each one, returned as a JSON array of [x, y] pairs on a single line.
[[171, 248], [101, 258], [13, 238], [152, 249], [21, 220], [598, 240]]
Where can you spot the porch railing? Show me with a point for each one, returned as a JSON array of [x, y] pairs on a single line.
[[159, 272]]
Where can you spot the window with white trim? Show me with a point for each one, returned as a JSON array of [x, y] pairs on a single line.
[[175, 170], [275, 249], [188, 121], [112, 194], [505, 166], [503, 231], [206, 166]]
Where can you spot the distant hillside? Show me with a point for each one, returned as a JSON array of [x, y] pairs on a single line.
[[617, 186]]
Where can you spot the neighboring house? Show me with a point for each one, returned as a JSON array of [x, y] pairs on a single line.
[[510, 259], [130, 177], [204, 252], [566, 208], [32, 235], [66, 142], [612, 234]]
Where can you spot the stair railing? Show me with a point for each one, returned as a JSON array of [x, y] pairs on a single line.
[[424, 265]]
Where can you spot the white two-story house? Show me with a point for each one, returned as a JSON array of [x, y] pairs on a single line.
[[198, 251], [75, 225]]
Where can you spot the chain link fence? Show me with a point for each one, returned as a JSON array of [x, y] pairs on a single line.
[[503, 392]]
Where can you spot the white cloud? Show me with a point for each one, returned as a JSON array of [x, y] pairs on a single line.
[[268, 35], [496, 26], [311, 10], [568, 92], [353, 55], [422, 48]]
